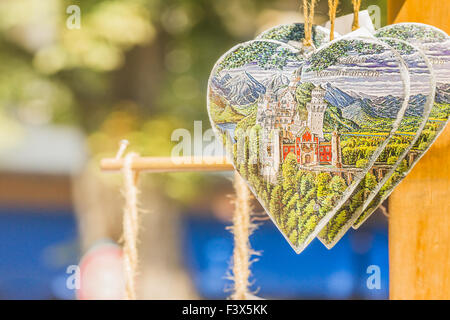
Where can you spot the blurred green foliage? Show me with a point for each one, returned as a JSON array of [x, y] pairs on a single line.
[[136, 69], [149, 59]]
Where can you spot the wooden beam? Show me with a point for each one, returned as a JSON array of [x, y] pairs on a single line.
[[394, 9], [419, 228], [419, 208], [433, 12]]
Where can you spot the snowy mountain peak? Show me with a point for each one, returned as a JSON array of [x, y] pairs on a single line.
[[241, 89]]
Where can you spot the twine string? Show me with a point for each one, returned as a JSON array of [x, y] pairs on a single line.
[[332, 7], [241, 229], [356, 6], [130, 226], [308, 12]]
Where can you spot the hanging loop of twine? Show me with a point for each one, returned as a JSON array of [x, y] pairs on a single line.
[[308, 12], [241, 229], [332, 7], [384, 211], [356, 6], [130, 226]]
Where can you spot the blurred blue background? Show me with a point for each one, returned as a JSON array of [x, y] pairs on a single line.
[[36, 247], [279, 272]]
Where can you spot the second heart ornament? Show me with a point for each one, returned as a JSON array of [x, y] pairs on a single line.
[[435, 43], [422, 86], [303, 133]]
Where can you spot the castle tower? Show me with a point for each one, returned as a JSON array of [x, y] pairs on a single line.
[[336, 160], [293, 84], [276, 155], [260, 115], [270, 160], [316, 109], [265, 108]]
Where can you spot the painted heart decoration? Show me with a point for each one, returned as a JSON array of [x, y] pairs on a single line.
[[304, 129], [425, 51], [435, 45], [399, 148]]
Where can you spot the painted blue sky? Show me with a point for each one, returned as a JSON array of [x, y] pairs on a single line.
[[260, 74], [388, 82], [419, 73], [439, 52]]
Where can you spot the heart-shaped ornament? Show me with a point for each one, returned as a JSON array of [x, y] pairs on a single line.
[[435, 44], [303, 145], [360, 114], [421, 98], [244, 87]]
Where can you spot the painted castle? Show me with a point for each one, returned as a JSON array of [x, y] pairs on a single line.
[[284, 132]]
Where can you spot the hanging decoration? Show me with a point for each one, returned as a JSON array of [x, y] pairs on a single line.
[[435, 44], [422, 86], [321, 131]]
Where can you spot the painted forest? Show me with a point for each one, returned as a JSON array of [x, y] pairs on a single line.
[[300, 198], [390, 156]]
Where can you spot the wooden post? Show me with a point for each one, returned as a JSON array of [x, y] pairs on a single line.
[[433, 12], [419, 208]]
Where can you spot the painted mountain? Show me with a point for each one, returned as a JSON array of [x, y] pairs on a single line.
[[348, 111], [442, 93], [337, 97], [242, 89], [277, 82], [416, 105], [363, 111]]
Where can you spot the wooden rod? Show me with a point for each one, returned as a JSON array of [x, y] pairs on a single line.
[[170, 164]]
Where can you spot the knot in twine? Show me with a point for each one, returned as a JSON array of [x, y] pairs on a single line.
[[332, 8], [308, 12], [356, 6]]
